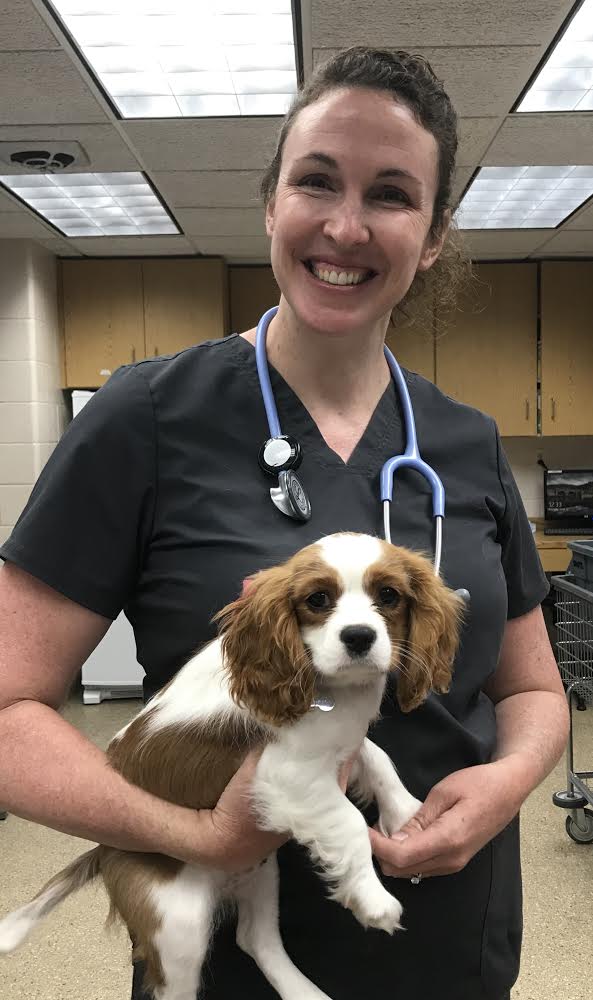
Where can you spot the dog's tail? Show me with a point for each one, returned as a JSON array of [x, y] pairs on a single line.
[[16, 927]]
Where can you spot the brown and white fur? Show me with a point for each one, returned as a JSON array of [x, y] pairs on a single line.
[[332, 622]]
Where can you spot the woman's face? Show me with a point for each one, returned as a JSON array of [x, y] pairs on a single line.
[[355, 197]]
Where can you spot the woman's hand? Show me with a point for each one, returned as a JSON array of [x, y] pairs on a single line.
[[461, 813], [230, 838]]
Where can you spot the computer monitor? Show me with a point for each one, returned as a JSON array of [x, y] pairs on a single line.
[[568, 496]]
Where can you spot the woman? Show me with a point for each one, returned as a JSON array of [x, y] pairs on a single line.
[[155, 502]]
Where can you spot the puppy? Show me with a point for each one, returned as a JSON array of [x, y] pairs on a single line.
[[298, 670]]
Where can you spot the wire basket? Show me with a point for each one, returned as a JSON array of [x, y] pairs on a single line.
[[574, 624]]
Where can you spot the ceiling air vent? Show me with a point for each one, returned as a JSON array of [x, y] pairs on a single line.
[[41, 156]]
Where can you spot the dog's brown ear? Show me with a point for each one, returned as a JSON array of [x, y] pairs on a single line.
[[270, 671], [434, 622]]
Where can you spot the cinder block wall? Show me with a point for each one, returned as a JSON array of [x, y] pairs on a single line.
[[32, 410]]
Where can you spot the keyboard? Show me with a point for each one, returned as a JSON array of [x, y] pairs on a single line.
[[583, 532]]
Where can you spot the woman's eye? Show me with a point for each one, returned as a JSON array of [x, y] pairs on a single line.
[[388, 597], [316, 181], [393, 195], [319, 600]]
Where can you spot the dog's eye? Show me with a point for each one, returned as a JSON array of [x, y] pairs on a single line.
[[319, 600], [388, 597]]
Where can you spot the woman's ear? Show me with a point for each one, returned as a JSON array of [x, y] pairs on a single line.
[[434, 622], [269, 670], [270, 215], [434, 243]]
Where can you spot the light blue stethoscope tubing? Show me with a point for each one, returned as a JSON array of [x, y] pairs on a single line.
[[410, 459]]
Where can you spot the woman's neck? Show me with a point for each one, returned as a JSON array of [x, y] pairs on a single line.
[[344, 375]]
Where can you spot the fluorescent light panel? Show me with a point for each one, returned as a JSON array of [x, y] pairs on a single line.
[[94, 204], [183, 58], [565, 81], [524, 197]]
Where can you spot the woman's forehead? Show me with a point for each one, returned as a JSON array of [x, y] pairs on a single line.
[[358, 123]]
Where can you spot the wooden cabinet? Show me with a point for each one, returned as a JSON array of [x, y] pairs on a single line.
[[103, 318], [252, 290], [117, 311], [486, 354], [567, 347], [411, 339], [184, 303]]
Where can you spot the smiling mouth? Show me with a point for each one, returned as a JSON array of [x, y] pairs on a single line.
[[340, 277]]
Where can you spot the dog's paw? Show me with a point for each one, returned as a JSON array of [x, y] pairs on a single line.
[[397, 814], [379, 909]]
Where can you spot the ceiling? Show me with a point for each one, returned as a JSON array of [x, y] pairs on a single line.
[[207, 170]]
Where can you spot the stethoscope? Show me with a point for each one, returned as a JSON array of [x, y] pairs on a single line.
[[281, 454]]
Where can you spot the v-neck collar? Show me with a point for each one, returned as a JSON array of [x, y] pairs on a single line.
[[382, 433]]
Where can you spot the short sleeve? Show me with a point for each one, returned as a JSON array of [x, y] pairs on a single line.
[[527, 585], [87, 523]]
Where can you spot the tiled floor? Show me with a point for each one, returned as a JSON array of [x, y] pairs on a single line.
[[73, 958]]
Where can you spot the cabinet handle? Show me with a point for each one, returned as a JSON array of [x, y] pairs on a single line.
[[133, 354], [553, 402], [156, 351], [527, 409]]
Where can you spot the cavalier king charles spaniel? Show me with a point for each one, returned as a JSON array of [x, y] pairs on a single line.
[[298, 671]]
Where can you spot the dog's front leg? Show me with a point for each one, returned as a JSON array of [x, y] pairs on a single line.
[[303, 797], [373, 776]]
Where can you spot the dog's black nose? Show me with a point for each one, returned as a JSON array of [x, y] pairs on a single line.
[[358, 639]]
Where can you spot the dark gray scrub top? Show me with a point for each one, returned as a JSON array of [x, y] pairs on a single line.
[[154, 502]]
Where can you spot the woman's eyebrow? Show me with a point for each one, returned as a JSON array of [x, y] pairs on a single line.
[[328, 161]]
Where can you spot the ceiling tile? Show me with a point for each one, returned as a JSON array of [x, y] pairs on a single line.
[[337, 23], [234, 247], [61, 248], [582, 220], [209, 188], [479, 80], [475, 135], [544, 139], [44, 88], [23, 28], [568, 242], [205, 143], [8, 204], [123, 246], [460, 179], [198, 222], [502, 241], [22, 225], [104, 146]]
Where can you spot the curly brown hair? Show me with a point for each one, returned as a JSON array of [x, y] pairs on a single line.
[[412, 81]]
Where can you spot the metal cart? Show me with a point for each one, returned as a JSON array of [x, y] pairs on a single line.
[[574, 623]]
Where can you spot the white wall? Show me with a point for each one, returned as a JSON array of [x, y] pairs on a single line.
[[556, 452], [32, 410]]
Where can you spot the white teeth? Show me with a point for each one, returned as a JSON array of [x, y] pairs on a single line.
[[337, 277]]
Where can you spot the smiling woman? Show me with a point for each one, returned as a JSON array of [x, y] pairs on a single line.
[[154, 501]]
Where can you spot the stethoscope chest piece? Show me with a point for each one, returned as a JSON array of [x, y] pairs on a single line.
[[290, 497]]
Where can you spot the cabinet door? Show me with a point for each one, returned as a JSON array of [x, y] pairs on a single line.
[[567, 347], [411, 339], [253, 290], [486, 353], [103, 318], [184, 303]]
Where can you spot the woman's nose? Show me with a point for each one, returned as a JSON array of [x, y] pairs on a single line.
[[347, 225]]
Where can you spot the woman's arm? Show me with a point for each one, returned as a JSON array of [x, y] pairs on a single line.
[[466, 809], [51, 774]]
